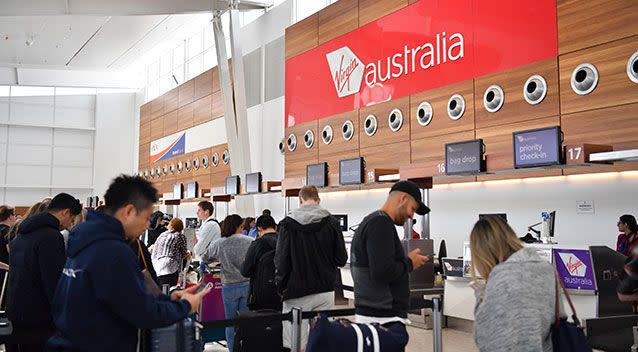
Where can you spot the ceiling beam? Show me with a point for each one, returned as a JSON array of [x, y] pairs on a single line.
[[121, 7]]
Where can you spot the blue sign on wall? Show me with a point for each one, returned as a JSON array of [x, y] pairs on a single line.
[[539, 147]]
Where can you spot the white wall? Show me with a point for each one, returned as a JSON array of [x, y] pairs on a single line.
[[115, 138]]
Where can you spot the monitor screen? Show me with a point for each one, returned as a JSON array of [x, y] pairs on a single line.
[[538, 147], [253, 182], [317, 175], [191, 190], [232, 185], [464, 157], [343, 221], [351, 171], [177, 191]]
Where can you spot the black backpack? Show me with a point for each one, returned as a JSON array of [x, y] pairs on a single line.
[[263, 292]]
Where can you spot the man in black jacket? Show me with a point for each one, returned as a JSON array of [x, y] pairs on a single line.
[[36, 260], [310, 248], [380, 267], [259, 266]]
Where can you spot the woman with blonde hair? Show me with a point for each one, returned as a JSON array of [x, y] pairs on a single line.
[[515, 304]]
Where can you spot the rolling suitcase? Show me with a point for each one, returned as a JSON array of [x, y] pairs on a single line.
[[258, 337], [183, 336]]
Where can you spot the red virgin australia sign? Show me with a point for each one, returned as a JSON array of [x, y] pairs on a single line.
[[423, 46]]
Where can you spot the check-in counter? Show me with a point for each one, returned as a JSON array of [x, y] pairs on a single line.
[[589, 274]]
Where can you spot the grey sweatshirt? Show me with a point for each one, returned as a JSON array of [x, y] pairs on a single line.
[[308, 214], [231, 252], [517, 309]]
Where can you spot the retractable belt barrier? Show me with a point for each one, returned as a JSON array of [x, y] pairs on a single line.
[[296, 315]]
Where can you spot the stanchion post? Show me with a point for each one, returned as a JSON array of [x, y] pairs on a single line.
[[295, 345], [437, 324]]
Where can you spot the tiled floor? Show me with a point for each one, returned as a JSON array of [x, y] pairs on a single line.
[[420, 341]]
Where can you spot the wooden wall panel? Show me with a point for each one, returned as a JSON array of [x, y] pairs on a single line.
[[582, 24], [170, 123], [203, 85], [157, 128], [145, 113], [385, 157], [520, 175], [185, 117], [431, 151], [145, 154], [221, 168], [338, 144], [371, 10], [171, 100], [498, 141], [384, 134], [202, 110], [441, 123], [217, 105], [297, 160], [145, 133], [338, 19], [157, 107], [614, 87], [333, 164], [615, 126], [214, 78], [302, 36], [515, 108], [186, 93], [219, 180]]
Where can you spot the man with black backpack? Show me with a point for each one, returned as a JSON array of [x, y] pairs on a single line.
[[259, 266]]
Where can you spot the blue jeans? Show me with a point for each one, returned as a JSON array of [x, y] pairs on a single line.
[[235, 297]]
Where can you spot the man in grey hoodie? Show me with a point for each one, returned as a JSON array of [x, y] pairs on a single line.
[[310, 248]]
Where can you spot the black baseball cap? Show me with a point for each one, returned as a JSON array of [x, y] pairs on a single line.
[[411, 188]]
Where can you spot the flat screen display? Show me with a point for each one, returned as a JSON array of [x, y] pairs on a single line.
[[253, 182], [464, 157], [191, 190], [317, 175], [351, 171], [177, 191], [232, 185], [539, 147]]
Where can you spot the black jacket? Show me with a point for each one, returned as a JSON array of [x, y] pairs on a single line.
[[379, 269], [154, 234], [308, 255], [4, 253], [36, 261], [259, 247], [259, 266]]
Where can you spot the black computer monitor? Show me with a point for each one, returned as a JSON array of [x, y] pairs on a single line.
[[317, 175], [552, 221], [191, 190], [253, 182], [177, 191], [232, 185]]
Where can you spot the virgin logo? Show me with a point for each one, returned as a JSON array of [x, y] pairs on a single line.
[[574, 265], [347, 71]]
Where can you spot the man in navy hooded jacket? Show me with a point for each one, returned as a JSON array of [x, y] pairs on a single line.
[[101, 300]]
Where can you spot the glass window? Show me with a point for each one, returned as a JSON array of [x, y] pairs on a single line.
[[178, 72], [24, 91], [178, 55], [165, 84], [75, 91], [195, 66], [152, 91], [306, 8], [166, 63], [153, 71], [209, 36], [195, 45], [210, 58], [4, 91]]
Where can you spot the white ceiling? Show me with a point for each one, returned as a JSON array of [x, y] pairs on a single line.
[[92, 34]]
